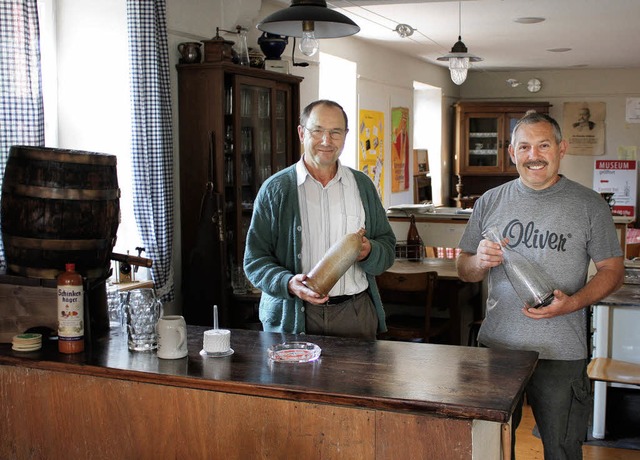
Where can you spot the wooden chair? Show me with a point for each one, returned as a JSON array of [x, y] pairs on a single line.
[[416, 290]]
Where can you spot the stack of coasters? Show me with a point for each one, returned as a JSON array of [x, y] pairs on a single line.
[[27, 342]]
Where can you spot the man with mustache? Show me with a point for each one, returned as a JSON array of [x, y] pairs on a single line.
[[560, 226], [299, 213]]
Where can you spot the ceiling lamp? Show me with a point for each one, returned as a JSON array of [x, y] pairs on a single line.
[[459, 57], [404, 30], [310, 20]]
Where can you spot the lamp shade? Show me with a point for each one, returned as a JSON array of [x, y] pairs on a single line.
[[327, 23], [459, 59]]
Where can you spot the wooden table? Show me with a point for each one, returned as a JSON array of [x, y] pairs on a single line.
[[451, 292], [361, 399]]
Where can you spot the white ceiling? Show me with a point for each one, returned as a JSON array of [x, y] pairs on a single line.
[[601, 33]]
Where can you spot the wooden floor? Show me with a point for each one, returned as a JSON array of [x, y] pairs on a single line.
[[528, 447]]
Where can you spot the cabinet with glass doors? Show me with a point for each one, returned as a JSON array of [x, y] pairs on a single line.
[[242, 121]]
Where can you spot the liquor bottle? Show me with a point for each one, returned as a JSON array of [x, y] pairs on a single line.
[[70, 311], [414, 242], [528, 280], [335, 263]]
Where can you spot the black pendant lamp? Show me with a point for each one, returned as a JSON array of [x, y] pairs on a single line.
[[310, 20]]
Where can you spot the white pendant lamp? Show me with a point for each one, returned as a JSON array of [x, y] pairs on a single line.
[[459, 57]]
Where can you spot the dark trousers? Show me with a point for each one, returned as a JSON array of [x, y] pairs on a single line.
[[353, 318], [559, 393]]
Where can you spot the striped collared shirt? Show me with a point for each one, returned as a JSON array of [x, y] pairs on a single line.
[[327, 214]]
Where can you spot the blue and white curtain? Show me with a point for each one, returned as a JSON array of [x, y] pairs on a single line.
[[21, 106], [152, 144]]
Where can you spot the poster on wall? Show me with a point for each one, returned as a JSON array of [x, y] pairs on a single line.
[[618, 179], [583, 127], [371, 147], [632, 112], [399, 149]]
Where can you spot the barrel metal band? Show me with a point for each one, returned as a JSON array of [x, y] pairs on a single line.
[[52, 273], [55, 244], [64, 193], [64, 155]]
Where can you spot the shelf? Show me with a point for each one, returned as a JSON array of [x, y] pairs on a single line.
[[483, 134], [483, 152]]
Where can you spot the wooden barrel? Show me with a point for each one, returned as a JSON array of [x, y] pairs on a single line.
[[59, 206]]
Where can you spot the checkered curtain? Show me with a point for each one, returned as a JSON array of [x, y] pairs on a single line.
[[21, 107], [151, 141]]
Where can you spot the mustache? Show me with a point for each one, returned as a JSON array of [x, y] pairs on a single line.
[[536, 163]]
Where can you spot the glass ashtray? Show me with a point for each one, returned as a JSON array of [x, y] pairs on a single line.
[[294, 352]]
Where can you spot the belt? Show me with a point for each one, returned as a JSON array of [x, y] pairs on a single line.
[[337, 300]]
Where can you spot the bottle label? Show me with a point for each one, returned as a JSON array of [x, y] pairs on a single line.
[[70, 312]]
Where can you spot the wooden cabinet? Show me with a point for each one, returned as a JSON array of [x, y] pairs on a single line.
[[237, 127], [481, 156]]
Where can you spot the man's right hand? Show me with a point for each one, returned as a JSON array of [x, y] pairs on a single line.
[[488, 255], [474, 267], [298, 288]]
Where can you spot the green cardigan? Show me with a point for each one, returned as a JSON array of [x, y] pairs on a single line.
[[274, 245]]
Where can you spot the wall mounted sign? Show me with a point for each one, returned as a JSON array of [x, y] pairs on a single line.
[[632, 113], [617, 177]]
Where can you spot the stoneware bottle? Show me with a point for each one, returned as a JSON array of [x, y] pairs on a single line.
[[335, 263]]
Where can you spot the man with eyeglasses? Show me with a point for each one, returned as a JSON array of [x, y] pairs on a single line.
[[298, 214]]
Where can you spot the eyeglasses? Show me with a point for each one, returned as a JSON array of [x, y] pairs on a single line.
[[334, 134]]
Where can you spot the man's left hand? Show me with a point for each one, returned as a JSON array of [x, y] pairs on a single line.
[[561, 305], [366, 249]]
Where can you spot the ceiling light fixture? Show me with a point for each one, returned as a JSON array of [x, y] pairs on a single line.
[[404, 30], [459, 57], [529, 20], [309, 20], [513, 82]]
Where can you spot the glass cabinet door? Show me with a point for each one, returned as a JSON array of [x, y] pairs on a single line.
[[483, 142], [281, 118], [256, 146]]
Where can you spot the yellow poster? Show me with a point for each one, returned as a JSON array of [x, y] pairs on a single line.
[[371, 147], [399, 149]]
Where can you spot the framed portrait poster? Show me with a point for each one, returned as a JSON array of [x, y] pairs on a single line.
[[583, 127]]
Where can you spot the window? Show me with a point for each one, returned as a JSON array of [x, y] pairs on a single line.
[[85, 74], [337, 82]]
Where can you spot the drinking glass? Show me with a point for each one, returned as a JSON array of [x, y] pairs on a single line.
[[142, 311], [114, 307]]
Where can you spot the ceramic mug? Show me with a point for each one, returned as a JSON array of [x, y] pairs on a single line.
[[172, 337], [190, 52]]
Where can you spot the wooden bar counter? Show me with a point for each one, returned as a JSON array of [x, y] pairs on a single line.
[[360, 400]]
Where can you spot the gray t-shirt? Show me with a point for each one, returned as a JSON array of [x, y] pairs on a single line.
[[578, 222]]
